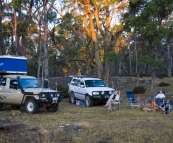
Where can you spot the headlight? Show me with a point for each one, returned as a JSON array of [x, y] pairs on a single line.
[[111, 92], [95, 93], [43, 95], [51, 94], [57, 94]]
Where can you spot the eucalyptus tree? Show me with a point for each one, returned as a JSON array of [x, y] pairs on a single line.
[[100, 26], [146, 19]]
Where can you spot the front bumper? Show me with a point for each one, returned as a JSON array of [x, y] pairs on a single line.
[[101, 97]]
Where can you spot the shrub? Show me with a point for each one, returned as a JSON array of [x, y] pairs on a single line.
[[139, 90], [163, 84], [63, 91]]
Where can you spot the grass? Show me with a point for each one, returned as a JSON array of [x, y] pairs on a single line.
[[97, 126], [91, 124]]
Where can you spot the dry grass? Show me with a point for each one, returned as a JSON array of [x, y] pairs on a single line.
[[92, 125], [97, 125]]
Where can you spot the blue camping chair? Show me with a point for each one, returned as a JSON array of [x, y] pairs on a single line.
[[168, 107], [131, 100], [161, 100]]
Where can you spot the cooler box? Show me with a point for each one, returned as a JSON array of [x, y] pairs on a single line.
[[13, 64], [80, 103]]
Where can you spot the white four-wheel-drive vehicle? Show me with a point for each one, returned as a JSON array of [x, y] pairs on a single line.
[[22, 90], [90, 90]]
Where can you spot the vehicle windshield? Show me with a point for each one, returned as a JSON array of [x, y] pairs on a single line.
[[29, 83], [94, 83]]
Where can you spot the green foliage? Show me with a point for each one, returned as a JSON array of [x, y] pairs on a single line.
[[163, 84], [110, 56], [139, 90], [153, 63], [63, 91], [71, 52], [52, 16], [31, 67], [17, 4]]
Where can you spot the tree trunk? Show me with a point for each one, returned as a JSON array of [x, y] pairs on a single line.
[[46, 66], [91, 32], [169, 67], [39, 54], [3, 50], [120, 63], [15, 33], [136, 58], [130, 61]]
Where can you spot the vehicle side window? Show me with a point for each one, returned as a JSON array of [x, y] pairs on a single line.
[[3, 82], [81, 83], [13, 84], [78, 83], [73, 82]]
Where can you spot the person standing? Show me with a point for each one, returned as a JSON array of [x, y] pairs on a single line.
[[110, 101]]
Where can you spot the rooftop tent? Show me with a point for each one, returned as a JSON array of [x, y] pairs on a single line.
[[13, 64]]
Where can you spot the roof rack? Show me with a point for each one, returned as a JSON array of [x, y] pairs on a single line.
[[81, 76], [78, 76]]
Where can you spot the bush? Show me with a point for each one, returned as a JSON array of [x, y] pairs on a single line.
[[63, 91], [163, 84], [162, 76], [139, 90]]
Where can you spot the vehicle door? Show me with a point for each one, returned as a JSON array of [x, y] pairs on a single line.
[[81, 90], [3, 90], [77, 88], [13, 94]]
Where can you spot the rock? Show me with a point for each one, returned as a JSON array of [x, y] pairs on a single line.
[[145, 109], [15, 112], [44, 133], [147, 105], [57, 132], [153, 109]]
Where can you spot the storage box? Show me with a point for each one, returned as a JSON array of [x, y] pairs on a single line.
[[80, 103], [13, 64]]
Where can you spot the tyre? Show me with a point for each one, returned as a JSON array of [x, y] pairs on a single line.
[[72, 98], [15, 107], [1, 105], [88, 101], [31, 106], [52, 108]]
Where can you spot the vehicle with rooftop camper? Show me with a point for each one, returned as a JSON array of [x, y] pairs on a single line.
[[18, 89]]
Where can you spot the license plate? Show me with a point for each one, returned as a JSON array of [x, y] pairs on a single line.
[[55, 98], [106, 96]]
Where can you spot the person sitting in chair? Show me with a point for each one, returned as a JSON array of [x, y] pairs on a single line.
[[160, 96], [110, 101]]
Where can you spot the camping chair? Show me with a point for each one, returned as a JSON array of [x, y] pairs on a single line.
[[116, 104], [168, 107], [131, 100], [162, 101]]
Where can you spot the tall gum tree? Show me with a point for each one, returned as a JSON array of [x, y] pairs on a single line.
[[98, 21], [146, 18]]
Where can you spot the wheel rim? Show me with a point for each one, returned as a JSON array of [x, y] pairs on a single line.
[[72, 98], [30, 106], [87, 101]]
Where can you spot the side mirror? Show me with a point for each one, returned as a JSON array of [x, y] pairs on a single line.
[[45, 83]]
